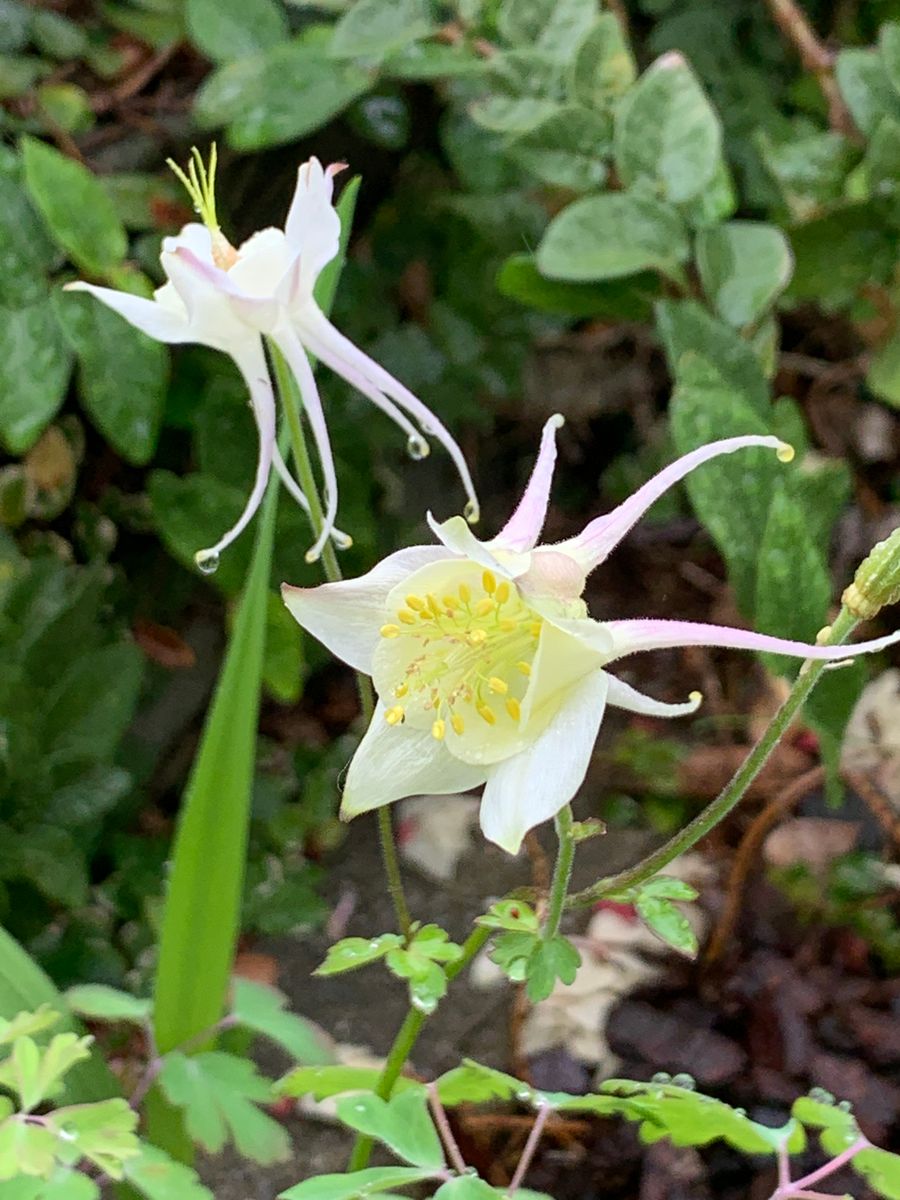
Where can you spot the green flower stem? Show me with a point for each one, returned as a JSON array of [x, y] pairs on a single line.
[[291, 403], [406, 1038], [562, 872], [733, 792]]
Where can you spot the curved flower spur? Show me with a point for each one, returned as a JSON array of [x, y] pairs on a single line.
[[230, 298], [489, 669]]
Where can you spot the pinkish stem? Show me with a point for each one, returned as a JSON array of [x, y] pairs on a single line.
[[799, 1189], [528, 1153]]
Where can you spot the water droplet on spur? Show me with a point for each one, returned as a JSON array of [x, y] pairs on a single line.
[[417, 447], [472, 511], [207, 561]]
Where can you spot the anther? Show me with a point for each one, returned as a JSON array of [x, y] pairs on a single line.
[[458, 723], [390, 631], [465, 593], [483, 607], [487, 714], [395, 715], [524, 667], [489, 582], [513, 708], [438, 729], [415, 603], [401, 690], [502, 593], [407, 617], [498, 685], [451, 602], [476, 637], [507, 625], [534, 628], [433, 605]]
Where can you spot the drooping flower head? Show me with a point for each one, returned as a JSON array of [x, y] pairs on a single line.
[[230, 298], [489, 669]]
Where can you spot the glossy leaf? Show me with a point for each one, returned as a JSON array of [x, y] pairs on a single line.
[[372, 28], [744, 266], [227, 29], [324, 1082], [356, 1185], [402, 1123], [350, 953], [35, 365]]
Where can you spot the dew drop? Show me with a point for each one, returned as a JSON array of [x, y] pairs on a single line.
[[207, 561], [661, 1077], [417, 447], [472, 511], [845, 1106], [683, 1080]]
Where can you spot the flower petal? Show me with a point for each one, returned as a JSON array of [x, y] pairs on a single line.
[[631, 637], [151, 318], [214, 302], [456, 535], [313, 226], [523, 528], [533, 785], [310, 319], [347, 616], [598, 539], [251, 362], [342, 540], [290, 346], [394, 761], [356, 379], [623, 695]]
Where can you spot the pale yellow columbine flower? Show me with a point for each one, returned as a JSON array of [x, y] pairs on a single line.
[[487, 666], [230, 297]]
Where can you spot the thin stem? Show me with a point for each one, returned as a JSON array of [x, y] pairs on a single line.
[[439, 1113], [528, 1153], [291, 403], [815, 58], [405, 1040], [829, 1168], [562, 872], [718, 809]]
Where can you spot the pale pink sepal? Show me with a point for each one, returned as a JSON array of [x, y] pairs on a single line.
[[631, 637], [596, 541], [313, 227], [523, 528], [311, 322]]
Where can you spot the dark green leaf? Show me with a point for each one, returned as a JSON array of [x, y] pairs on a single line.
[[603, 68], [744, 266], [228, 29], [35, 365], [866, 87], [372, 28], [613, 235], [566, 150], [556, 959], [77, 210], [402, 1123], [628, 299]]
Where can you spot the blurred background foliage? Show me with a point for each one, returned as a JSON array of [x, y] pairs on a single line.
[[659, 175]]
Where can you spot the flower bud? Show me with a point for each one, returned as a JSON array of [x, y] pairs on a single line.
[[877, 580]]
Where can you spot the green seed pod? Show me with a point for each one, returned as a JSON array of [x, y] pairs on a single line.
[[877, 580]]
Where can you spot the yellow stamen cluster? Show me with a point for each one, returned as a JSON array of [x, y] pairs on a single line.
[[470, 655]]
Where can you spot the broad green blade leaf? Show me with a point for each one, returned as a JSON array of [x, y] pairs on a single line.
[[102, 1003], [403, 1123], [357, 1185], [472, 1083], [24, 988], [26, 251], [260, 1008], [744, 266], [468, 1187], [668, 923], [613, 235], [866, 87], [884, 372], [323, 1082], [603, 67], [227, 29], [548, 962], [628, 299], [567, 149], [74, 204], [668, 132]]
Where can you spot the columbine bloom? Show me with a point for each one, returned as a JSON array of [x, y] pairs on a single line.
[[489, 669], [229, 298]]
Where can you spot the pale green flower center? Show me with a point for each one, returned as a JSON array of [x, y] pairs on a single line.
[[459, 661]]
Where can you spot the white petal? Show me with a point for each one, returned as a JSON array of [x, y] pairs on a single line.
[[456, 535], [313, 226], [205, 293], [262, 262], [393, 762], [523, 528], [534, 785], [347, 617], [251, 362], [289, 345], [623, 695], [156, 320], [194, 237]]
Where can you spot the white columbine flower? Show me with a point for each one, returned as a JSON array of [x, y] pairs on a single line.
[[489, 669], [230, 298]]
